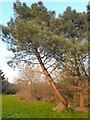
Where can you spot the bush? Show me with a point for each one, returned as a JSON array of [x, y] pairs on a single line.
[[8, 88], [40, 91]]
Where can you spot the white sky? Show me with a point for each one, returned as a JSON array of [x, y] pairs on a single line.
[[5, 56]]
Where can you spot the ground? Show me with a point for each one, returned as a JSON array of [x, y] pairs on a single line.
[[12, 107]]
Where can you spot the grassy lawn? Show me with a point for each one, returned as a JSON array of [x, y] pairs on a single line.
[[14, 108]]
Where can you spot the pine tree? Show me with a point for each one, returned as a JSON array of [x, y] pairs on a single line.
[[30, 29], [38, 32], [2, 77]]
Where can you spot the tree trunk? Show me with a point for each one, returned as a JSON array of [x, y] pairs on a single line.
[[82, 100], [74, 98], [63, 103], [81, 95]]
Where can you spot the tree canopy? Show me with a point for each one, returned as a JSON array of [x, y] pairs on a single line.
[[37, 31], [37, 28]]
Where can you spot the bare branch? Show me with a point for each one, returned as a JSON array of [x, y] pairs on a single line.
[[83, 69], [67, 68], [53, 69], [51, 65], [76, 87], [29, 62], [48, 60]]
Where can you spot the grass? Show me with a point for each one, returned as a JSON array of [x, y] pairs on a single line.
[[14, 108]]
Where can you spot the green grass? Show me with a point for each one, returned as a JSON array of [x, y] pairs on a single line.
[[14, 108]]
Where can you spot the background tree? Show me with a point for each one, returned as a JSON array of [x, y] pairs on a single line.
[[33, 86], [5, 86], [1, 78], [75, 63], [76, 51], [1, 75]]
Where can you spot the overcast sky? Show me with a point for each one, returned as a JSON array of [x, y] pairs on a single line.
[[5, 56], [6, 12]]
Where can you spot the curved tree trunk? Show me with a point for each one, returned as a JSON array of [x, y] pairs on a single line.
[[63, 103], [81, 95], [82, 99], [74, 97]]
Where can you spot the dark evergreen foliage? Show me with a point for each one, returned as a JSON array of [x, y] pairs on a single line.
[[2, 77]]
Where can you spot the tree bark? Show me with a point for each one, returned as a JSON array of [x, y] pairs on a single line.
[[82, 100], [74, 97], [81, 94], [63, 103]]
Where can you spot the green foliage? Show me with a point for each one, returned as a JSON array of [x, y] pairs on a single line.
[[30, 28], [5, 86], [8, 88], [37, 30], [14, 108], [77, 24]]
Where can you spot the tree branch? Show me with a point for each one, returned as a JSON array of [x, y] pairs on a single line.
[[51, 65]]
